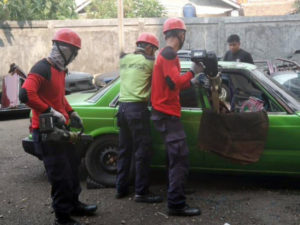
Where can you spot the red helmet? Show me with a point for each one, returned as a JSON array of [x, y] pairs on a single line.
[[148, 38], [67, 36], [174, 24]]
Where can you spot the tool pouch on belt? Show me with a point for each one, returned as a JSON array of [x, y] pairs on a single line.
[[239, 136]]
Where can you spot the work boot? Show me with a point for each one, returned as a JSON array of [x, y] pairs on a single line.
[[185, 211], [148, 198], [67, 221], [82, 209]]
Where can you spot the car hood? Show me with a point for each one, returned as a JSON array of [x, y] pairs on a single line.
[[78, 99], [298, 113]]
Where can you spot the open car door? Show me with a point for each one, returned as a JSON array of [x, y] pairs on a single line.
[[281, 152]]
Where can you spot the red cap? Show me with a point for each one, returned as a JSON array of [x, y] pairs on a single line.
[[173, 24], [148, 38], [68, 36]]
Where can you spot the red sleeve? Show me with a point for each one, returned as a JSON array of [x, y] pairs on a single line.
[[32, 85], [173, 77], [187, 84], [67, 105]]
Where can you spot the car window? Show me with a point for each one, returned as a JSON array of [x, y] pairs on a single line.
[[193, 97], [245, 93], [294, 86], [291, 83]]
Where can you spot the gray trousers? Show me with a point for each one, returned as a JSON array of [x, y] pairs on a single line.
[[134, 140], [174, 138]]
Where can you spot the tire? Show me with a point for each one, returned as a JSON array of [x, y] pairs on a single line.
[[101, 160]]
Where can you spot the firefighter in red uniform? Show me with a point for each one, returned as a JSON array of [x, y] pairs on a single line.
[[44, 92], [166, 86]]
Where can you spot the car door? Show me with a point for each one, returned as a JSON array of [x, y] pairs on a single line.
[[191, 111], [282, 149]]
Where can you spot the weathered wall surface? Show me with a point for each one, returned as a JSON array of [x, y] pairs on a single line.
[[264, 37]]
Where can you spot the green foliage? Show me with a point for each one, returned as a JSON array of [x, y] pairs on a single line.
[[297, 6], [132, 9], [102, 9], [144, 8], [37, 9]]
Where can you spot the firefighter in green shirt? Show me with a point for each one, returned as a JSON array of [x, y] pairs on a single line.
[[134, 119]]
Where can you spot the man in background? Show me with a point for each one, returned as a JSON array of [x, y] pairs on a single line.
[[236, 53]]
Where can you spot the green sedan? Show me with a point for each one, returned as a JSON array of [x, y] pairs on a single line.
[[282, 150]]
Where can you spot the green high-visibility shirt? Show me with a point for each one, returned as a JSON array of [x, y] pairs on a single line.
[[135, 75]]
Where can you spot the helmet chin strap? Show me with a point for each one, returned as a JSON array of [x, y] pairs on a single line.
[[180, 41]]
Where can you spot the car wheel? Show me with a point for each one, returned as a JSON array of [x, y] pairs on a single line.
[[225, 93], [101, 160]]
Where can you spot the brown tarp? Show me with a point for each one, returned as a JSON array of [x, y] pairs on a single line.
[[237, 136]]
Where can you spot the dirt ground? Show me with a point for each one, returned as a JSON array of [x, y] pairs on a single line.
[[235, 200]]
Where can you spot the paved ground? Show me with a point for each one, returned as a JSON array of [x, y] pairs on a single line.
[[236, 200]]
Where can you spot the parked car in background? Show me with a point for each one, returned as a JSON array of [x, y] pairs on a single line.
[[282, 148], [12, 82], [295, 56], [290, 80], [79, 81], [103, 79], [284, 71]]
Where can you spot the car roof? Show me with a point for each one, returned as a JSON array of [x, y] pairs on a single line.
[[225, 65], [293, 104]]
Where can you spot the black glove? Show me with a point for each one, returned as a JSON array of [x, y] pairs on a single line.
[[76, 121]]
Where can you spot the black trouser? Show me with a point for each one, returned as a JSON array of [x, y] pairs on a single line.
[[174, 138], [61, 162], [134, 138]]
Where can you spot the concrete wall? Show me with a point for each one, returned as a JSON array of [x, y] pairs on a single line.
[[25, 43]]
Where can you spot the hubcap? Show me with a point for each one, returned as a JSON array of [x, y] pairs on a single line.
[[108, 159]]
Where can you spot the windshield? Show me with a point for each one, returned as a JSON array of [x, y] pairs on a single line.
[[291, 82], [101, 91], [278, 90], [281, 79]]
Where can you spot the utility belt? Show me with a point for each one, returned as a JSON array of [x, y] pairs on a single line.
[[133, 106], [157, 115], [145, 104]]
